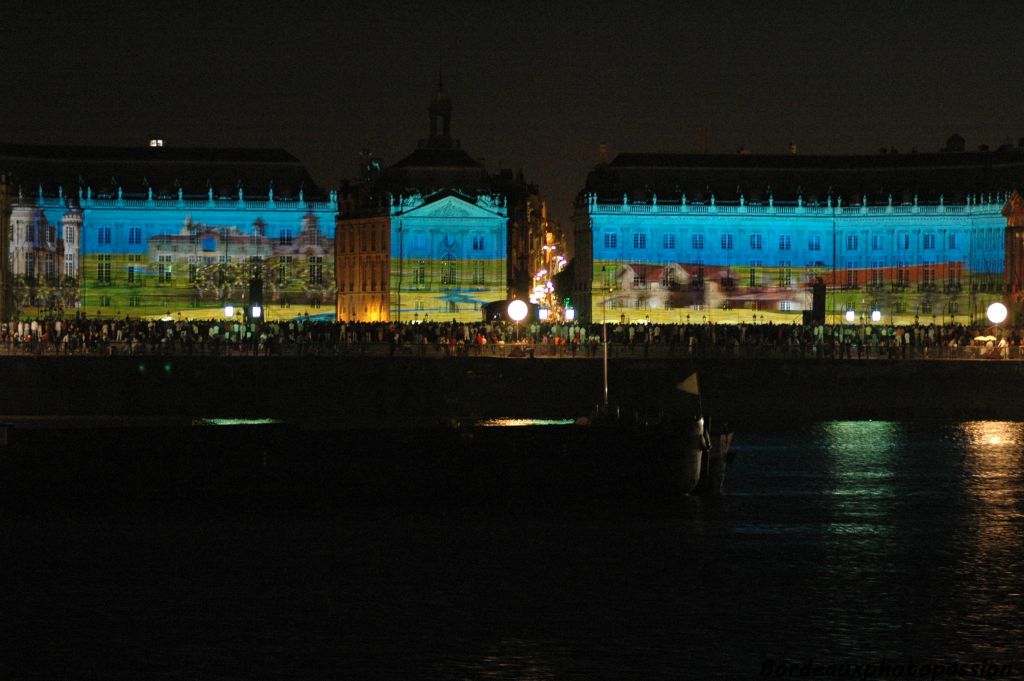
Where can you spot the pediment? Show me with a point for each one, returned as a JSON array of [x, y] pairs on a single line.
[[450, 207]]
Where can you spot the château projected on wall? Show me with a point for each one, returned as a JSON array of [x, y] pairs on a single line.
[[157, 257]]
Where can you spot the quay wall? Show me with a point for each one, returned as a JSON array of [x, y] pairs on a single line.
[[370, 391]]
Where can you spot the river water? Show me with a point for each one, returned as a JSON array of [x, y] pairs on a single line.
[[841, 543]]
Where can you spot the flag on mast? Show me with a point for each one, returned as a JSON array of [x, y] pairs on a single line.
[[690, 384]]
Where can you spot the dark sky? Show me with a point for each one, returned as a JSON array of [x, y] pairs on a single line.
[[535, 85]]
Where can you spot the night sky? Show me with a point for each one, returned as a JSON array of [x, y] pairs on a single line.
[[535, 85]]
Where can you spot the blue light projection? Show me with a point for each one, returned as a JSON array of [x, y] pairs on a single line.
[[668, 262], [149, 257]]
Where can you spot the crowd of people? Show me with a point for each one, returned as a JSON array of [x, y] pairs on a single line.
[[307, 337]]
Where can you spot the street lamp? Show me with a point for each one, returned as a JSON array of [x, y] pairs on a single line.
[[517, 311], [996, 313]]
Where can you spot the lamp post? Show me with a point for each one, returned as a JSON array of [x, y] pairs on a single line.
[[517, 311]]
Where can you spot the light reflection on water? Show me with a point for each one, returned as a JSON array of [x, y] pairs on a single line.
[[517, 422], [843, 541]]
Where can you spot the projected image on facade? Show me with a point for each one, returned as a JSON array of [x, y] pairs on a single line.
[[728, 262], [157, 257], [433, 258], [44, 257]]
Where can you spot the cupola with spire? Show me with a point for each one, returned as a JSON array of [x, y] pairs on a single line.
[[440, 107]]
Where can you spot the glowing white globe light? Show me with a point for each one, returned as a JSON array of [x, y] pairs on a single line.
[[996, 313], [851, 316], [229, 310], [517, 310], [257, 311], [876, 316], [570, 314], [542, 313]]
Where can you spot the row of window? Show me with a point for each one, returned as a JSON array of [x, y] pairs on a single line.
[[32, 232], [164, 270], [785, 243], [284, 238]]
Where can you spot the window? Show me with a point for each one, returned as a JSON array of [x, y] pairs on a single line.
[[478, 243], [69, 265], [697, 281], [51, 234], [103, 269], [755, 242], [697, 242], [785, 243], [192, 270], [639, 280], [131, 274], [639, 240], [851, 242], [30, 264], [668, 278], [478, 272], [135, 235], [316, 269], [902, 273], [953, 241], [954, 273], [449, 271], [877, 241], [611, 240], [419, 273], [903, 241], [814, 243], [48, 270], [164, 266], [928, 273], [928, 242], [876, 272], [753, 280], [103, 235], [668, 241], [133, 301], [851, 274], [284, 268], [785, 273], [69, 235], [284, 238], [727, 242]]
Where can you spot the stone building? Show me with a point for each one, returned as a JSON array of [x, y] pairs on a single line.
[[432, 237], [158, 230], [677, 237]]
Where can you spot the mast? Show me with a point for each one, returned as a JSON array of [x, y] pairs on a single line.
[[604, 343]]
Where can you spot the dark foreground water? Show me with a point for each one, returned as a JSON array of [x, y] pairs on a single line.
[[845, 543]]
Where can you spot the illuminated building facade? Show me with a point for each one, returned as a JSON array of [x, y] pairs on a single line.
[[180, 236], [431, 237], [672, 238]]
